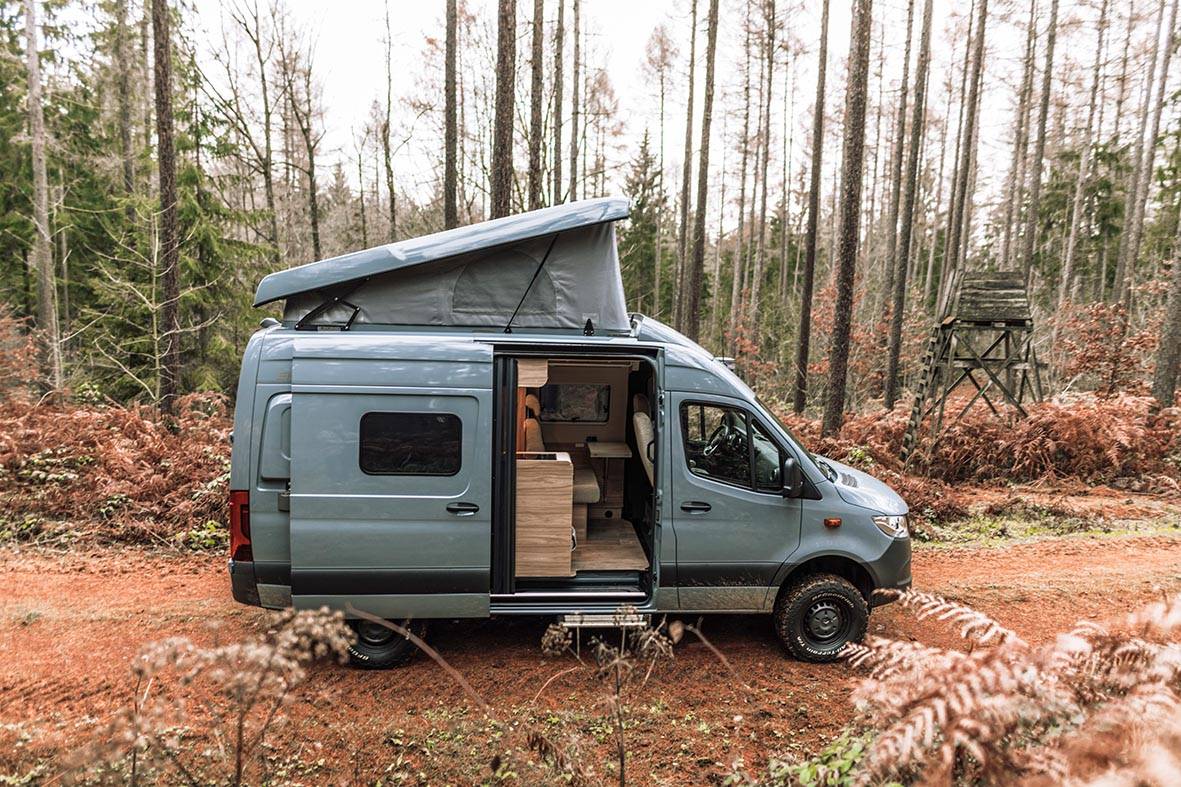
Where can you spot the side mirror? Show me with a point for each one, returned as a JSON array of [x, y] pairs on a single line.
[[793, 477]]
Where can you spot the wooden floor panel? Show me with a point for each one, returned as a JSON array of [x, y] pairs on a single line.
[[610, 545]]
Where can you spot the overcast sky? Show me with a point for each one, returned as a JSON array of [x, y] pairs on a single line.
[[349, 36]]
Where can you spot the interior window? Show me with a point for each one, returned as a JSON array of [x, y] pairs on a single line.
[[722, 442], [568, 402], [411, 443]]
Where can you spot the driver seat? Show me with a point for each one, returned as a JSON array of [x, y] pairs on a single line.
[[645, 434]]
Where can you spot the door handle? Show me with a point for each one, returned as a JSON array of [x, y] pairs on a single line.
[[695, 507], [463, 509]]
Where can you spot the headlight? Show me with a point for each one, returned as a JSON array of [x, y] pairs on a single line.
[[893, 526]]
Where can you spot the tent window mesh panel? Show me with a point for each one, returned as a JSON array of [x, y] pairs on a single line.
[[486, 287]]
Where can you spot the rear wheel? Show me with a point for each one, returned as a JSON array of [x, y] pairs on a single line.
[[818, 615], [378, 647]]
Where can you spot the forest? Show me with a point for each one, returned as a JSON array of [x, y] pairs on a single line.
[[802, 195], [814, 185]]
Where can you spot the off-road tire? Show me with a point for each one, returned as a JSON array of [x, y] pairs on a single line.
[[818, 615], [371, 651]]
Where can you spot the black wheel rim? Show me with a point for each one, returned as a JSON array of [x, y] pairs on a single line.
[[375, 634], [826, 625]]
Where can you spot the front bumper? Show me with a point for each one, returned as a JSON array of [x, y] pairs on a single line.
[[892, 570], [243, 584]]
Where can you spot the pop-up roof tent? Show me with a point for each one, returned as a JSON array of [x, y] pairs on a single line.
[[554, 268]]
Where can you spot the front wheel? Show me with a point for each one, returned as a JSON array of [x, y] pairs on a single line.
[[818, 615], [378, 647]]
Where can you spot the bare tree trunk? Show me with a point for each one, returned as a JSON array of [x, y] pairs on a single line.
[[502, 126], [761, 244], [686, 179], [450, 125], [575, 91], [1168, 354], [1084, 161], [850, 212], [123, 87], [737, 310], [386, 151], [42, 249], [693, 298], [800, 395], [169, 232], [908, 200], [1134, 232], [361, 193], [535, 100], [559, 36], [956, 171], [892, 250], [658, 253], [958, 223], [1032, 220], [1015, 187]]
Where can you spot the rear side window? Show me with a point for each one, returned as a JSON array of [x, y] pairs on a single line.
[[575, 402], [411, 443]]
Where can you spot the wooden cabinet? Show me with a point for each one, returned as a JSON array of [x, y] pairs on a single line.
[[545, 498]]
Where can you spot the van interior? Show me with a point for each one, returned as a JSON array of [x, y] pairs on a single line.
[[585, 446]]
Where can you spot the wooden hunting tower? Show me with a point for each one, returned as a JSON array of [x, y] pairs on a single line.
[[984, 338]]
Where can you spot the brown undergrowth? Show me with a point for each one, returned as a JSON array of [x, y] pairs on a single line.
[[1100, 704]]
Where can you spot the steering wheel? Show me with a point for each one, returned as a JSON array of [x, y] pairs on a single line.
[[725, 435]]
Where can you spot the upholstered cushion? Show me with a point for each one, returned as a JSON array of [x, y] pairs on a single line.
[[645, 434], [532, 406], [586, 485], [533, 441]]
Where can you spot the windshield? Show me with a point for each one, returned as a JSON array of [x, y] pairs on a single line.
[[768, 413]]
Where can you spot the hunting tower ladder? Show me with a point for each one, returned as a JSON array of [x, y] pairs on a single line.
[[983, 338]]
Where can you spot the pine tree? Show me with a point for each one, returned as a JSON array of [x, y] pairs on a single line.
[[450, 121]]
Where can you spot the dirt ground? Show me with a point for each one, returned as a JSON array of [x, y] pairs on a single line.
[[70, 623]]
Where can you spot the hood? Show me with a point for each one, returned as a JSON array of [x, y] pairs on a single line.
[[861, 489]]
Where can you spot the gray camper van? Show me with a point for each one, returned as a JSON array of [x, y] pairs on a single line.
[[471, 424]]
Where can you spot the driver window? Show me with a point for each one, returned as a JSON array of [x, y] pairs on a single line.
[[716, 444]]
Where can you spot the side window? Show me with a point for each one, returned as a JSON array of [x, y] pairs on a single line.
[[411, 443], [726, 444], [715, 442]]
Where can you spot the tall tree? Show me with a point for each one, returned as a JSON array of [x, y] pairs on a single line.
[[693, 300], [896, 167], [302, 104], [42, 251], [909, 196], [450, 123], [958, 223], [738, 279], [686, 177], [559, 36], [853, 150], [765, 141], [535, 100], [1032, 220], [1168, 353], [502, 124], [575, 91], [800, 394], [123, 95], [386, 146], [1084, 160], [658, 60], [1015, 184], [1138, 198], [169, 231]]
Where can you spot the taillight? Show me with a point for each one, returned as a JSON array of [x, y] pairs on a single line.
[[240, 526]]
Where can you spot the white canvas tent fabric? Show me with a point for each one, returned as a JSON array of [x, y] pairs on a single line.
[[474, 276]]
